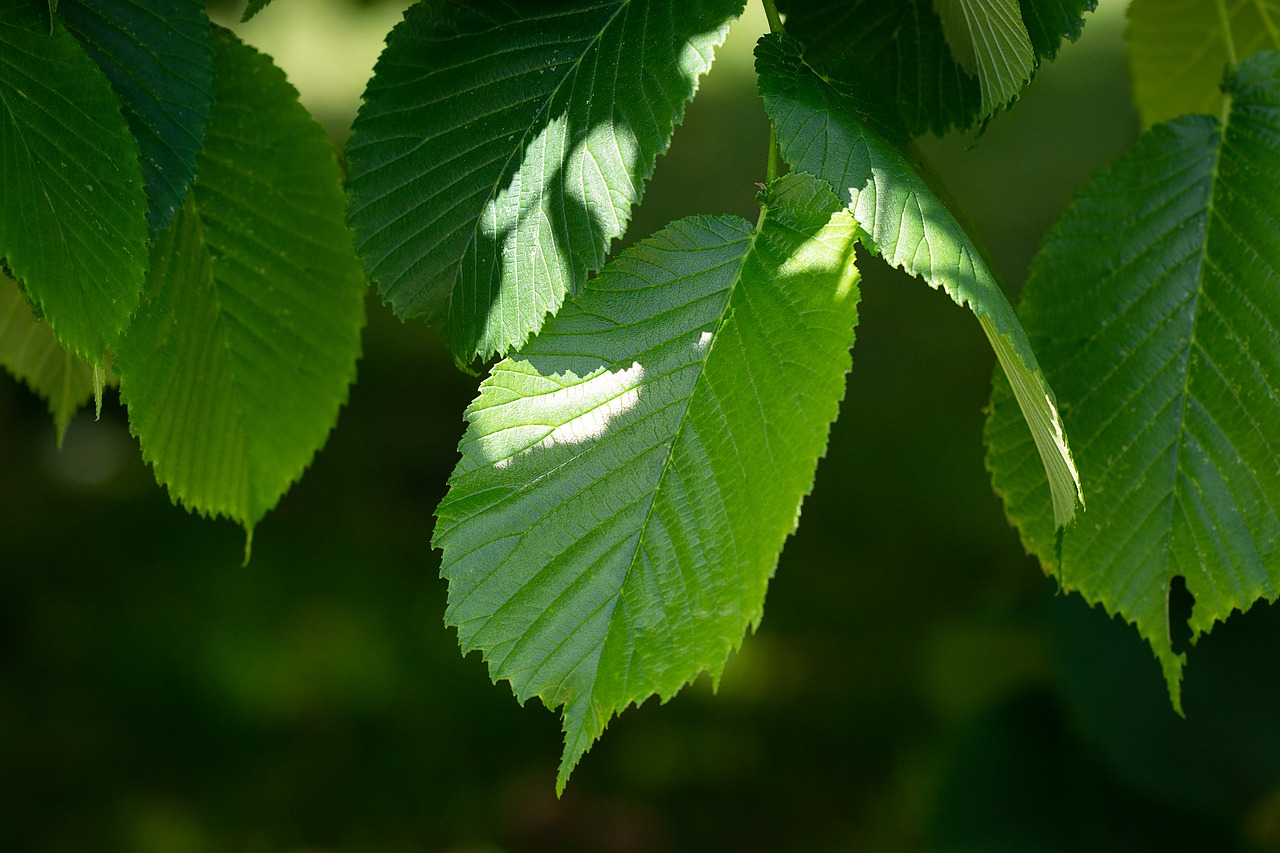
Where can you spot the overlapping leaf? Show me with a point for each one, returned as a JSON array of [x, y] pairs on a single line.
[[501, 147], [1155, 306], [1177, 54], [73, 225], [156, 54], [905, 45], [628, 479], [242, 352], [29, 351], [832, 130]]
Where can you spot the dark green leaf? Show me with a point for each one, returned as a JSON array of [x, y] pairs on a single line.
[[73, 223], [628, 480], [1177, 53], [828, 129], [156, 54], [904, 45], [29, 351], [501, 147], [253, 8], [242, 352], [1155, 306]]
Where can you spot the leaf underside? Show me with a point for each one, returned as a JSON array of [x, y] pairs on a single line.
[[501, 147], [833, 131], [242, 352], [157, 55], [30, 352], [904, 45], [1155, 307], [627, 481], [1176, 53], [73, 226]]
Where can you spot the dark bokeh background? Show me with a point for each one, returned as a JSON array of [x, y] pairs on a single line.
[[916, 685]]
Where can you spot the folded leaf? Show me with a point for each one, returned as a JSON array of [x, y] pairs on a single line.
[[1177, 53], [73, 225], [30, 352], [1155, 305], [156, 54], [627, 481], [932, 54], [501, 147], [241, 354], [833, 131]]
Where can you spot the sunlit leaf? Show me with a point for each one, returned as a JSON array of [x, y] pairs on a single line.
[[627, 481], [1155, 306], [833, 131], [989, 40], [501, 147], [73, 225], [242, 352], [156, 54]]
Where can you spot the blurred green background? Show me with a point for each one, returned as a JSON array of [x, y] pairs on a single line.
[[916, 685]]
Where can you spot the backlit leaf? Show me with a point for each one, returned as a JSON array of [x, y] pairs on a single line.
[[501, 147], [1155, 306], [73, 225], [627, 481], [832, 130], [241, 354], [989, 40]]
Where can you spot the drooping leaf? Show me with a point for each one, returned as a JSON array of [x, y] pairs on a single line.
[[989, 40], [1155, 305], [242, 352], [832, 130], [1177, 55], [903, 43], [73, 224], [30, 352], [501, 147], [628, 479], [157, 55]]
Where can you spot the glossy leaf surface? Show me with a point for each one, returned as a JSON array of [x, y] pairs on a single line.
[[242, 352], [501, 147], [627, 481], [73, 225], [833, 131], [1155, 306]]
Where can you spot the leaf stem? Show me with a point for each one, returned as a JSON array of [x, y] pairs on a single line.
[[1224, 24], [771, 169], [771, 12]]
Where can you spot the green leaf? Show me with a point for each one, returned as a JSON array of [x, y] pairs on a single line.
[[252, 8], [1177, 53], [157, 55], [833, 131], [1155, 305], [904, 45], [30, 352], [628, 480], [73, 223], [242, 352], [989, 40], [501, 147]]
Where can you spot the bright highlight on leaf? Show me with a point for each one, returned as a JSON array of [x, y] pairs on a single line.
[[627, 481], [242, 352], [30, 352], [73, 226], [989, 40], [501, 147], [832, 131], [1155, 306], [1177, 54]]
